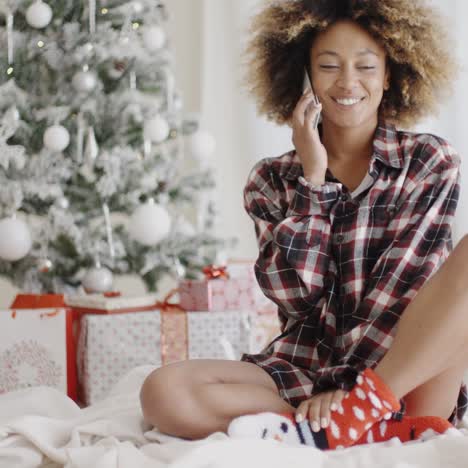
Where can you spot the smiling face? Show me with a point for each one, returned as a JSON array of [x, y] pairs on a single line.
[[349, 75]]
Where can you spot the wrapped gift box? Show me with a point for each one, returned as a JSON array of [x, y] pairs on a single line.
[[265, 326], [47, 301], [114, 304], [264, 320], [234, 293], [37, 348], [110, 345]]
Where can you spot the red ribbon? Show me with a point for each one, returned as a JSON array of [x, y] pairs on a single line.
[[167, 306], [215, 272]]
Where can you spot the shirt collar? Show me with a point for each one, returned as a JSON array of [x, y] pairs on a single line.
[[387, 145], [386, 149]]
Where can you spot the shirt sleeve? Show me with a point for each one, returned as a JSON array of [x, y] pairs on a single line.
[[422, 242], [293, 239]]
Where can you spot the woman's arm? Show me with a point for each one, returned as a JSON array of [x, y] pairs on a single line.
[[293, 238]]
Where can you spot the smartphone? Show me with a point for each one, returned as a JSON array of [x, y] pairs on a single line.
[[307, 85]]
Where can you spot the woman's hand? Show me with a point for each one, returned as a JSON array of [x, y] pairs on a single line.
[[317, 409], [306, 139]]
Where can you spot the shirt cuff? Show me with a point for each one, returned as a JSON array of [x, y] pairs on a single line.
[[311, 199]]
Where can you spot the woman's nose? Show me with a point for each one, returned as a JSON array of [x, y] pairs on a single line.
[[347, 78]]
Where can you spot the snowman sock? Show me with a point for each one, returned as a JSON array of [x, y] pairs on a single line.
[[409, 428], [368, 402]]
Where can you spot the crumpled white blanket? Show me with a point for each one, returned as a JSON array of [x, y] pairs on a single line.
[[40, 427]]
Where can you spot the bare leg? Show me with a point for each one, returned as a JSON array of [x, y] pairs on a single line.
[[194, 398], [426, 361]]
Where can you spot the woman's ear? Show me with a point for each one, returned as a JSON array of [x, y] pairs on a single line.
[[387, 78]]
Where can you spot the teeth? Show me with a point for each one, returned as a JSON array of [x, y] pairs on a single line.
[[347, 102]]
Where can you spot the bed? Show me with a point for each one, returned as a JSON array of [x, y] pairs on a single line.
[[40, 427]]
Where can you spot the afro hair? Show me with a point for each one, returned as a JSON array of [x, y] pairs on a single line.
[[418, 53]]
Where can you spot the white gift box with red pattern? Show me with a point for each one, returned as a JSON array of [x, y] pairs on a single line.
[[110, 345], [33, 349]]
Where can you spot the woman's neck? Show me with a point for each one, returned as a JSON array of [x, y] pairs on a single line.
[[348, 145]]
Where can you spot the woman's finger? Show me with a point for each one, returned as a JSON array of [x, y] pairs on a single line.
[[313, 414], [325, 409], [336, 399], [302, 106], [312, 116], [301, 411]]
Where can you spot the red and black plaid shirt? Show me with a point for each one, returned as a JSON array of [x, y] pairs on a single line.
[[341, 266]]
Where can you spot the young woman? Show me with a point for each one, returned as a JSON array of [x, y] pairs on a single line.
[[354, 232]]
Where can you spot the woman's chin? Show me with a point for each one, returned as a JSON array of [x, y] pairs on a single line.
[[351, 121]]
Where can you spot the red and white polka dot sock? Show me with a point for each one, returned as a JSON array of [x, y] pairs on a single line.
[[370, 401], [409, 428]]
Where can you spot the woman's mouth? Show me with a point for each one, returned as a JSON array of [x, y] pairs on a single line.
[[348, 103]]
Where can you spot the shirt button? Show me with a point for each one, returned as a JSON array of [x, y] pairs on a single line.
[[344, 197], [339, 238]]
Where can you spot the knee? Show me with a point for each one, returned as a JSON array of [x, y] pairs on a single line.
[[156, 394], [462, 246], [459, 258], [166, 399]]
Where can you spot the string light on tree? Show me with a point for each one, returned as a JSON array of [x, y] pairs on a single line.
[[39, 15], [62, 203], [149, 224], [44, 265], [56, 138], [15, 239]]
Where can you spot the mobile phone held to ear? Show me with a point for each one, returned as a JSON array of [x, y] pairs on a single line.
[[307, 85]]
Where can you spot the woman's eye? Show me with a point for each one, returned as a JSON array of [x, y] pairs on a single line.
[[328, 67]]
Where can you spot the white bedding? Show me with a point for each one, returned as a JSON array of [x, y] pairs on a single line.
[[40, 427]]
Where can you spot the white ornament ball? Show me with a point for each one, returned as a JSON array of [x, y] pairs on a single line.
[[201, 145], [15, 239], [137, 7], [56, 138], [84, 81], [185, 228], [156, 129], [98, 279], [149, 224], [39, 14], [153, 37]]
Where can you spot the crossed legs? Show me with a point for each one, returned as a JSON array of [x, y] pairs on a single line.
[[192, 399], [425, 365]]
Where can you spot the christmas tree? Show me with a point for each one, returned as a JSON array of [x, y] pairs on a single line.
[[94, 149]]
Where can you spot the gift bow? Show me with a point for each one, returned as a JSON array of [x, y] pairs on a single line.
[[215, 272], [167, 306]]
